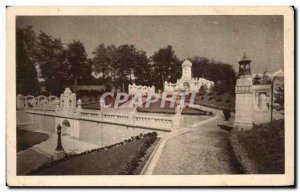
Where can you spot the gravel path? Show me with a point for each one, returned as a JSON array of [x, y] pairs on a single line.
[[205, 150]]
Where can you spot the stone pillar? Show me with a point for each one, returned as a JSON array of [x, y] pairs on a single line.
[[61, 102], [132, 114], [243, 104], [20, 101], [177, 117], [177, 121], [59, 152], [56, 105], [73, 102], [79, 107]]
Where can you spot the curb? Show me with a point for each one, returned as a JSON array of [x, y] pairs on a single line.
[[241, 155], [146, 166]]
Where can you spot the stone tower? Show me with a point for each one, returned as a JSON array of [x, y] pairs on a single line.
[[244, 98], [186, 70]]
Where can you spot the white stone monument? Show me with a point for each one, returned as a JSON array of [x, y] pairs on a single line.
[[187, 83], [252, 104], [68, 100]]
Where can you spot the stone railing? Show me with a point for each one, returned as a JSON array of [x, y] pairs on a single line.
[[113, 117], [67, 107], [41, 101], [131, 119], [153, 121]]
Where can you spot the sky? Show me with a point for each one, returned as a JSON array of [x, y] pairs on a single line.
[[222, 38]]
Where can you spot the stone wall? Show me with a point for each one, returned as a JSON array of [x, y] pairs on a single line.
[[101, 134], [143, 90]]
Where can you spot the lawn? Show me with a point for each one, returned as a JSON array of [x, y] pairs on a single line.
[[265, 146], [27, 139], [217, 100], [111, 161]]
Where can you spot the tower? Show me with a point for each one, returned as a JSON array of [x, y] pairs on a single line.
[[244, 98], [186, 70], [244, 66]]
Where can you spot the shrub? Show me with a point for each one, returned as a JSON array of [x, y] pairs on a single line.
[[227, 101], [226, 113], [219, 100]]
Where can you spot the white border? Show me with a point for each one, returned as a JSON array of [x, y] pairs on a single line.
[[149, 180]]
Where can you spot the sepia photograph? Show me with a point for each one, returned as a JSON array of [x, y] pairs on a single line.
[[150, 97]]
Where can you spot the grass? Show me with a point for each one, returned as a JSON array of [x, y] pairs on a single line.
[[111, 161], [27, 139], [217, 101], [265, 146]]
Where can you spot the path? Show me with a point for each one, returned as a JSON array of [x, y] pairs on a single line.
[[204, 149], [37, 155], [30, 159]]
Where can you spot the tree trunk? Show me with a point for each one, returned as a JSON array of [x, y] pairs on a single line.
[[75, 85]]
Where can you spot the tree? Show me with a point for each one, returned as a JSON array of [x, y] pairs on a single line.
[[104, 61], [127, 64], [203, 90], [166, 66], [121, 65], [266, 79], [80, 68], [51, 58], [222, 74], [279, 98], [26, 74], [142, 69]]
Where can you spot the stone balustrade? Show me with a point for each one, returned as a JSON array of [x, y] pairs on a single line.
[[67, 107], [133, 119], [153, 121]]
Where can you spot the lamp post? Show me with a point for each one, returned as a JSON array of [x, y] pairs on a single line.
[[59, 145], [59, 152], [272, 95]]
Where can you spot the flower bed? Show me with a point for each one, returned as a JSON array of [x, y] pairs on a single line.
[[168, 109], [119, 158]]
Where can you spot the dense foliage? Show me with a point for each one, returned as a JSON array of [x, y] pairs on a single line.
[[265, 146], [26, 74], [279, 98], [59, 65], [205, 68]]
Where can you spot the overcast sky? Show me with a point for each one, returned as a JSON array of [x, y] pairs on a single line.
[[222, 38]]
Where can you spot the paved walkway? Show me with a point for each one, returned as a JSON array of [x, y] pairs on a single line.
[[70, 145], [42, 153], [202, 150]]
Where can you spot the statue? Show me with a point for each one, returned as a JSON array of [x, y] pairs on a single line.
[[262, 103]]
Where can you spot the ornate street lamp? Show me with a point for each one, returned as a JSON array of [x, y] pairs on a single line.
[[59, 145], [59, 152]]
